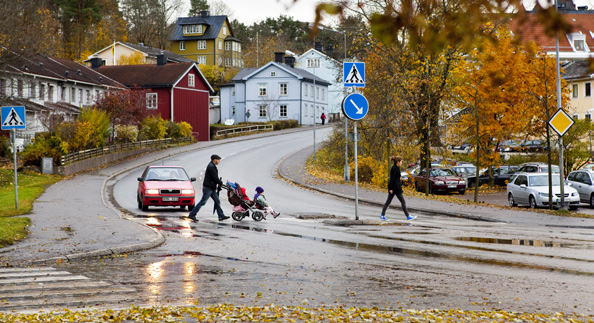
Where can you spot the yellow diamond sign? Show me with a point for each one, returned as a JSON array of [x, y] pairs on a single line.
[[561, 122]]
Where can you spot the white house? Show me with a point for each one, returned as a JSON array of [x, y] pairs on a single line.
[[275, 91], [51, 90], [327, 68]]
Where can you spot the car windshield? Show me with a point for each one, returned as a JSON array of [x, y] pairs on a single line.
[[442, 172], [543, 180], [166, 174]]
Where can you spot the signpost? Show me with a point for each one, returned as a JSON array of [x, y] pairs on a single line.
[[355, 107], [13, 118], [561, 122]]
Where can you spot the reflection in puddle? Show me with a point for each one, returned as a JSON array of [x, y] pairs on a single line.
[[516, 242]]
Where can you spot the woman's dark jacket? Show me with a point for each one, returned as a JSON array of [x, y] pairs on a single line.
[[394, 184], [211, 177]]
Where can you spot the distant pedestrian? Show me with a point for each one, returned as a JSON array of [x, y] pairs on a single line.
[[395, 188], [210, 189], [323, 117]]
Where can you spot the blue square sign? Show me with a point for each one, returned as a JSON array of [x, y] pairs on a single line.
[[13, 118], [354, 74]]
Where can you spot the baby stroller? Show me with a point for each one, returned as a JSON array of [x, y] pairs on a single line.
[[242, 205]]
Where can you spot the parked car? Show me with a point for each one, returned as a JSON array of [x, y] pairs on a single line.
[[501, 175], [464, 148], [589, 166], [509, 146], [465, 171], [583, 181], [532, 189], [538, 168], [440, 180], [532, 145], [165, 186]]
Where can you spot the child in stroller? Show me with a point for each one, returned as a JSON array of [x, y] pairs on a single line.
[[262, 204], [242, 205]]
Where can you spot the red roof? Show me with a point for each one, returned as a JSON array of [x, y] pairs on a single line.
[[146, 75]]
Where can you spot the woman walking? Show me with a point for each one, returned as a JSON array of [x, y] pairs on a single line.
[[395, 188]]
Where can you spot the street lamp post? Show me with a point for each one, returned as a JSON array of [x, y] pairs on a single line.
[[314, 63]]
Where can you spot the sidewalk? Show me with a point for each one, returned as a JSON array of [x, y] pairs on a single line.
[[75, 218]]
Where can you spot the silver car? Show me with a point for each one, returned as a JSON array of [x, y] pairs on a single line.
[[532, 189], [582, 181]]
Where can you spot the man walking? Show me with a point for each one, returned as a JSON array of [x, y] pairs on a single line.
[[209, 189]]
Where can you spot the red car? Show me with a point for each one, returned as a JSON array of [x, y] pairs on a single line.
[[440, 180], [165, 186]]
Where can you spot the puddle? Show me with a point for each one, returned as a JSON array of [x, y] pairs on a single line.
[[517, 242]]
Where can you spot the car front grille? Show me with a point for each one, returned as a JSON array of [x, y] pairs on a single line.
[[452, 183], [170, 191], [559, 195]]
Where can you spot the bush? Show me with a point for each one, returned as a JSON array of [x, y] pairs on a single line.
[[5, 150], [45, 145], [153, 127], [126, 133], [366, 165], [173, 130], [285, 124], [185, 129]]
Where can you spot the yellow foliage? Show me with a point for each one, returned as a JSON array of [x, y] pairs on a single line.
[[136, 58], [185, 129]]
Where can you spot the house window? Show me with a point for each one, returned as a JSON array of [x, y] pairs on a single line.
[[193, 29], [220, 60], [233, 91], [201, 60], [151, 101], [311, 90], [305, 89], [63, 94], [227, 45], [305, 111], [579, 45], [272, 74], [50, 93], [575, 116], [20, 88], [575, 91], [73, 95], [588, 116], [262, 111], [587, 89], [220, 45], [2, 89], [32, 90], [227, 61], [283, 89], [182, 45], [262, 89], [41, 91], [202, 44], [283, 111], [88, 93], [232, 111], [224, 30], [313, 63], [80, 96], [191, 82], [323, 93], [317, 92]]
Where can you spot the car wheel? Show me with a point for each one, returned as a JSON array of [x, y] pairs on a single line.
[[592, 201], [258, 216], [139, 202], [471, 184], [511, 200], [573, 207], [237, 216], [532, 202], [461, 192], [141, 205]]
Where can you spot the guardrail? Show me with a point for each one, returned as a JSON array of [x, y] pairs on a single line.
[[232, 131], [89, 153]]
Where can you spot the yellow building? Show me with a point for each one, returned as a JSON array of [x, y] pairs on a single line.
[[206, 40], [120, 53], [579, 80]]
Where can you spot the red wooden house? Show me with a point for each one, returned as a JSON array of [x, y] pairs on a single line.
[[178, 91]]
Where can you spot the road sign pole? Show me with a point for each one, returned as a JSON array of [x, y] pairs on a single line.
[[16, 185], [356, 175], [561, 171]]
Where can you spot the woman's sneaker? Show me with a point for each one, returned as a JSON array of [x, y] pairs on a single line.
[[411, 217], [383, 218]]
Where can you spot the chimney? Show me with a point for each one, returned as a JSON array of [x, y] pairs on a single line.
[[318, 47], [161, 60], [96, 62], [204, 13], [278, 57], [290, 61]]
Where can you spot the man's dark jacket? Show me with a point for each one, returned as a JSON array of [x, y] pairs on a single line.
[[211, 177]]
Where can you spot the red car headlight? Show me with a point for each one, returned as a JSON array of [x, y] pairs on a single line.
[[151, 192], [187, 192]]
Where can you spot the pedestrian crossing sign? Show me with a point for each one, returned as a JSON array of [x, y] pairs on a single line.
[[354, 74], [13, 118]]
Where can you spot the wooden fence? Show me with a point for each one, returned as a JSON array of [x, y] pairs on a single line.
[[89, 153], [232, 131]]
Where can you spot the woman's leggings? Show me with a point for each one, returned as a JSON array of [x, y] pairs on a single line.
[[389, 200]]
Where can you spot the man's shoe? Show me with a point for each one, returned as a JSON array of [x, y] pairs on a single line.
[[275, 215], [411, 217], [383, 218], [223, 218], [193, 218]]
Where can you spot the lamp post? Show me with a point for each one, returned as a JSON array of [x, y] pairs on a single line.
[[314, 63]]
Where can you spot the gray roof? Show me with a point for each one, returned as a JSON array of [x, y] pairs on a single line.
[[213, 23], [153, 52], [307, 76], [577, 70]]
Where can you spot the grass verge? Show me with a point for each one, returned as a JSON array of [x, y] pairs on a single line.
[[30, 187]]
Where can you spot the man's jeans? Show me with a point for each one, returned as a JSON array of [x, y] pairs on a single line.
[[206, 193]]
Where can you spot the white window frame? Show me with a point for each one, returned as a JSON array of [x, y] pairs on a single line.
[[587, 89], [283, 111], [201, 60], [220, 44], [227, 45], [227, 61], [192, 29], [201, 45], [224, 30], [182, 45], [262, 90], [313, 62], [191, 80], [272, 74], [575, 91], [283, 89], [262, 111], [305, 91], [152, 101]]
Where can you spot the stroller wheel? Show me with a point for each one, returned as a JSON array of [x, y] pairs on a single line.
[[258, 216], [237, 216]]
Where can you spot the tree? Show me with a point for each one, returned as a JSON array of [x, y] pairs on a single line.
[[196, 6], [125, 107], [147, 20], [76, 17]]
